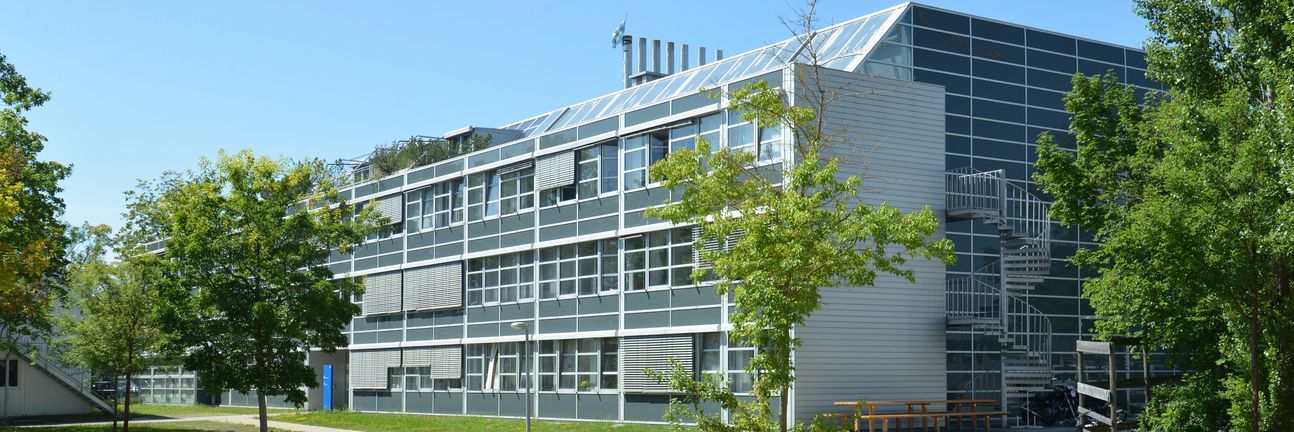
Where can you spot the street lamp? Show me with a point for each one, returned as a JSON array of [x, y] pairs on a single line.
[[525, 358]]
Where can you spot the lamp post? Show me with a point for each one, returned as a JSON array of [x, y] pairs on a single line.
[[530, 380]]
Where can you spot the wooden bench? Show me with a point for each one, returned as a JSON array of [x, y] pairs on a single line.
[[955, 411], [940, 419]]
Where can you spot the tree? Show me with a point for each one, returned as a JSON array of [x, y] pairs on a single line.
[[1189, 193], [248, 293], [785, 240], [31, 236], [116, 332]]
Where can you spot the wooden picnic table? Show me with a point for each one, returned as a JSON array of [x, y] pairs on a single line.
[[954, 409]]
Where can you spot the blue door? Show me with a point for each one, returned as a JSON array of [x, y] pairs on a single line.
[[327, 387]]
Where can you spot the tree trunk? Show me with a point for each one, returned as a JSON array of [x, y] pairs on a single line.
[[115, 414], [260, 402], [126, 420], [1255, 374], [783, 403]]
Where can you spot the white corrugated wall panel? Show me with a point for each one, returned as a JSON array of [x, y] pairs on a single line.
[[887, 341]]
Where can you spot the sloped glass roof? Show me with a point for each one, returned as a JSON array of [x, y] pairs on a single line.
[[840, 46]]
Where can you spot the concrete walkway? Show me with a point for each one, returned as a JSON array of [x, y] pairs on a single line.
[[242, 419]]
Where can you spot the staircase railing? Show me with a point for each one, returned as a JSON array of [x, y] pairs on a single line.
[[974, 190], [1030, 328]]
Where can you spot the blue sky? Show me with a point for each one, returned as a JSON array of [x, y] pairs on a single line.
[[142, 87]]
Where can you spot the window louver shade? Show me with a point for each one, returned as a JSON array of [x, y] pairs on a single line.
[[445, 362], [390, 207], [555, 170], [638, 353], [516, 167], [713, 246], [368, 368], [434, 287], [382, 293]]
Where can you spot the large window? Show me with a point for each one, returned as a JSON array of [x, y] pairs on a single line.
[[707, 127], [500, 192], [582, 365], [437, 206], [419, 378], [710, 352], [658, 259], [596, 170], [495, 367], [642, 151], [502, 278], [582, 268], [516, 191], [764, 140], [739, 357]]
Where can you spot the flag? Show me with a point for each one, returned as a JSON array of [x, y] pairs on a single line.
[[619, 31]]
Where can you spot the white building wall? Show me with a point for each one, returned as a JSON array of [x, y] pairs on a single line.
[[884, 342], [39, 394]]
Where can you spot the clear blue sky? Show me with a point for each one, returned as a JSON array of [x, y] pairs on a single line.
[[142, 87]]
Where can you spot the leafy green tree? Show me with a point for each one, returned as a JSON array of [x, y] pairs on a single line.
[[116, 332], [248, 292], [1189, 194], [32, 237], [786, 240]]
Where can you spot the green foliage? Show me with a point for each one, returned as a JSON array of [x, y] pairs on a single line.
[[247, 289], [32, 238], [809, 231], [420, 151], [1190, 195]]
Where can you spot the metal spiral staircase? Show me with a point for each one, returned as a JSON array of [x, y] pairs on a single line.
[[976, 301]]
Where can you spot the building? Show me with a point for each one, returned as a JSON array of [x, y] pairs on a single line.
[[33, 384], [546, 227]]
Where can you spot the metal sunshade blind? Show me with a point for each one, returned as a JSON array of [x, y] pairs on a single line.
[[652, 352], [445, 362], [382, 293], [368, 369], [434, 287], [709, 246], [516, 167], [555, 170], [390, 207]]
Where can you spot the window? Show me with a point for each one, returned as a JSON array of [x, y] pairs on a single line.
[[764, 141], [640, 152], [516, 192], [658, 259], [584, 268], [707, 127], [394, 378], [9, 373], [437, 206], [557, 195], [419, 378], [596, 170], [494, 367], [739, 357], [582, 365], [711, 350], [501, 278]]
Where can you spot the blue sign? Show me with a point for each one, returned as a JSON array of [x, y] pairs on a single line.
[[327, 387]]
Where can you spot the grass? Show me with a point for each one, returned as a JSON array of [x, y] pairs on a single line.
[[425, 423], [178, 426], [183, 411]]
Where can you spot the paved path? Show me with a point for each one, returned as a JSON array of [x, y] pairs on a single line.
[[242, 419]]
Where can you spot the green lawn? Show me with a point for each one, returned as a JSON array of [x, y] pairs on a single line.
[[179, 426], [423, 423], [182, 411]]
